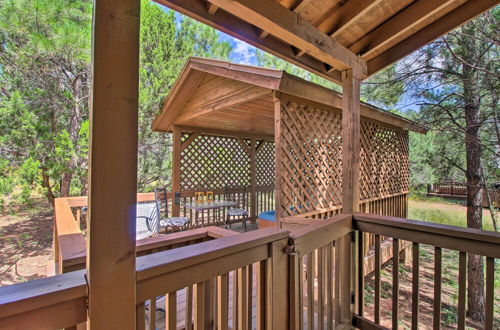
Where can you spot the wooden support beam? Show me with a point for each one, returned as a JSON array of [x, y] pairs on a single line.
[[253, 177], [246, 32], [176, 168], [453, 19], [286, 25], [189, 140], [113, 165], [277, 159], [351, 146], [408, 21]]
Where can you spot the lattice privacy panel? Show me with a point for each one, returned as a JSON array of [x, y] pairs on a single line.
[[310, 159], [264, 164], [384, 160], [213, 162]]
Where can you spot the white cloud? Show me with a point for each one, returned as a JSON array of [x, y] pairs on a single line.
[[243, 53]]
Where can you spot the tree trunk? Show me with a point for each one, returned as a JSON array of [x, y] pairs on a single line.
[[475, 293], [46, 184], [65, 184]]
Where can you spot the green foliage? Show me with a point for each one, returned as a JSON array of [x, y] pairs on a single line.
[[167, 40]]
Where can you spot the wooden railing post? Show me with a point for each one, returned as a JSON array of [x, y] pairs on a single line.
[[113, 165], [176, 169], [351, 145], [277, 295], [253, 178]]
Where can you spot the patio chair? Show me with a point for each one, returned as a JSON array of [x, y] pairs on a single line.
[[239, 196], [147, 223], [174, 223]]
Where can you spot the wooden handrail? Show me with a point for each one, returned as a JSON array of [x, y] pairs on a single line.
[[320, 233], [468, 240], [48, 303]]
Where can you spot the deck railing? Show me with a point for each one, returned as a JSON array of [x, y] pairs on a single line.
[[308, 278], [69, 225]]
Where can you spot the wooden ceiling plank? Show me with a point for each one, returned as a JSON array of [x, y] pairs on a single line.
[[405, 22], [289, 27], [239, 29], [431, 32], [344, 13], [230, 100]]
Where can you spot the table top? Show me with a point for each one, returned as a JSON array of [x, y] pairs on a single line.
[[199, 206]]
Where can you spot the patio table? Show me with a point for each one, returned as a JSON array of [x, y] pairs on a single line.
[[198, 207]]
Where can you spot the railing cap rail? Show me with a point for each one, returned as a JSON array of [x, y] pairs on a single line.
[[430, 227], [164, 262], [35, 294]]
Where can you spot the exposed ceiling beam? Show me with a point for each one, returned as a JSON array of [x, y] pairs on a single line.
[[237, 28], [431, 32], [211, 8], [402, 25], [339, 20], [286, 25]]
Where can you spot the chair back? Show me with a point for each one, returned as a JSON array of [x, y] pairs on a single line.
[[150, 211], [162, 200], [238, 195]]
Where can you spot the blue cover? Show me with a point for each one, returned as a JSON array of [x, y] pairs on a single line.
[[269, 216]]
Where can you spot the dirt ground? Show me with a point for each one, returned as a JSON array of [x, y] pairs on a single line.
[[25, 242]]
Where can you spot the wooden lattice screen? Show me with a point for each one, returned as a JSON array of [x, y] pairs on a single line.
[[384, 161], [310, 159], [264, 164], [216, 162]]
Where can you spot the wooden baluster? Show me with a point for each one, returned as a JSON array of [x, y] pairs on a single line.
[[261, 295], [319, 253], [361, 274], [490, 292], [199, 306], [242, 299], [462, 282], [234, 276], [171, 311], [395, 282], [337, 284], [250, 296], [329, 287], [310, 290], [152, 314], [377, 279], [140, 318], [222, 301], [296, 291], [437, 288], [189, 308], [415, 287]]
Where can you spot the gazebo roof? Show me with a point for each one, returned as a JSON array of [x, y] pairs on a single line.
[[227, 97]]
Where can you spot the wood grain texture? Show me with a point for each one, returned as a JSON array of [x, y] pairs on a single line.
[[112, 169]]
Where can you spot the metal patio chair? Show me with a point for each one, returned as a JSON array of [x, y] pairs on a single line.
[[239, 195]]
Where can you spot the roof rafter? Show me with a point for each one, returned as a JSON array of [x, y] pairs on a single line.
[[401, 25], [288, 26], [448, 22], [246, 32]]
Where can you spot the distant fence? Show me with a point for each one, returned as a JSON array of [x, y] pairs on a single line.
[[458, 190]]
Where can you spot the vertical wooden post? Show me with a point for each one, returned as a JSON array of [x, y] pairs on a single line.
[[277, 158], [113, 165], [253, 178], [350, 185], [176, 169]]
